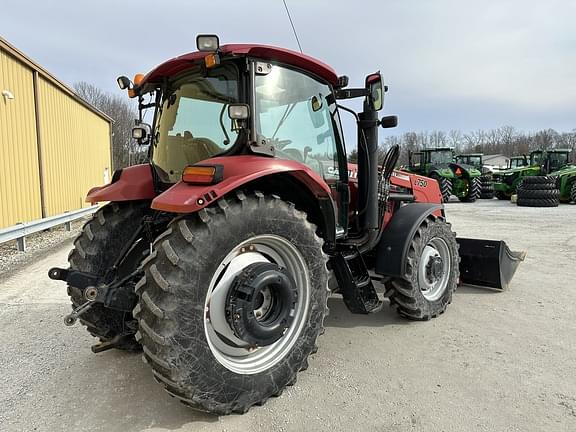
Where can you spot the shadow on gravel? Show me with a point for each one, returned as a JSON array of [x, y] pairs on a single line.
[[341, 317], [127, 398], [469, 289]]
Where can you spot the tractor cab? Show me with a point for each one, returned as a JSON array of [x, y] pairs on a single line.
[[517, 162], [550, 160], [434, 157], [237, 100], [472, 159]]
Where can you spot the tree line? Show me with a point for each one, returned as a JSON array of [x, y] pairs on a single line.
[[505, 140]]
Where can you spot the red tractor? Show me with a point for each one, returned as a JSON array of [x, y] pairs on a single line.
[[218, 256]]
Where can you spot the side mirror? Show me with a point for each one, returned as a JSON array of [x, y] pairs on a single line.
[[376, 91], [124, 82], [389, 121], [315, 111], [141, 133]]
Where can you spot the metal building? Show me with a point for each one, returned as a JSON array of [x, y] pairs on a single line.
[[53, 145]]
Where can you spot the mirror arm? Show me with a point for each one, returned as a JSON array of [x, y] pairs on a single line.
[[351, 93]]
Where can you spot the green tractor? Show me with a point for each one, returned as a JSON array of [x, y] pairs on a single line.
[[566, 183], [476, 160], [455, 178], [542, 163]]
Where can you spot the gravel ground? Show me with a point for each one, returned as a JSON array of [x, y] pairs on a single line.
[[493, 362], [37, 244]]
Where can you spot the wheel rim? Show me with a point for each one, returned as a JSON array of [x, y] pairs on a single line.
[[434, 269], [230, 351]]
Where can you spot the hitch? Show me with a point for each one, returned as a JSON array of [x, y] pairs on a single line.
[[72, 317], [118, 295]]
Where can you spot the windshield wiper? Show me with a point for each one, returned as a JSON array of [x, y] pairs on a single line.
[[289, 109]]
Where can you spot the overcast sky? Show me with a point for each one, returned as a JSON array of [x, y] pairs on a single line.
[[464, 64]]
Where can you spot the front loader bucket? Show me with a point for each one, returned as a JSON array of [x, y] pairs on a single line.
[[487, 263]]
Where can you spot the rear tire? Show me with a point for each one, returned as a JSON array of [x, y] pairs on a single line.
[[553, 194], [473, 190], [178, 312], [445, 187], [415, 296], [502, 196], [543, 202], [539, 180], [573, 192], [538, 192], [486, 187], [95, 251]]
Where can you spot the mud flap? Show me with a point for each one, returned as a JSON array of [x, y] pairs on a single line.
[[487, 263]]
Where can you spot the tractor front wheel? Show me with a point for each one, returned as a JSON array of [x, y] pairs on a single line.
[[431, 273], [573, 192], [232, 301]]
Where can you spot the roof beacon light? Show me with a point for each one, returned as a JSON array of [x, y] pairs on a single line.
[[207, 43]]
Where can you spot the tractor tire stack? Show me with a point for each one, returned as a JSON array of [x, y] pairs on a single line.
[[538, 192], [486, 187]]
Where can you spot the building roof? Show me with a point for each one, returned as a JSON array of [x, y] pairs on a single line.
[[21, 57], [264, 52]]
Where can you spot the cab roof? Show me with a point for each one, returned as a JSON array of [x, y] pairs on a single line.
[[264, 52]]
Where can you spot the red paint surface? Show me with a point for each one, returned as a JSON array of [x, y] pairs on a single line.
[[135, 183], [238, 170], [264, 52], [424, 189]]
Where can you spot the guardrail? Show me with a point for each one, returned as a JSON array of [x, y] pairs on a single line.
[[20, 231]]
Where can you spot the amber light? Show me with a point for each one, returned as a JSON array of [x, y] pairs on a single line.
[[195, 174], [211, 60], [138, 79]]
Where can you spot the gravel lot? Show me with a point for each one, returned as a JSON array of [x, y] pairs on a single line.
[[492, 362]]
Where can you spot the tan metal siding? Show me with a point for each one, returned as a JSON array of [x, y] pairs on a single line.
[[19, 179], [75, 146]]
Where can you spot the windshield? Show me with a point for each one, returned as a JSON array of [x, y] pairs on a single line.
[[441, 157], [297, 115], [193, 123], [515, 163], [557, 160], [536, 158], [475, 161]]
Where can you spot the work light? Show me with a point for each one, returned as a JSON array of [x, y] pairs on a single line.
[[207, 43]]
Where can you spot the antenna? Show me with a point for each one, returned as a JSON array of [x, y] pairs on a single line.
[[292, 24]]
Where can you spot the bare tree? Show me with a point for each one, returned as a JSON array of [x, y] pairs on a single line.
[[123, 111]]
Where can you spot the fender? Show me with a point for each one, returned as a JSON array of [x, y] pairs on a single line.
[[424, 189], [128, 184], [392, 250], [237, 171]]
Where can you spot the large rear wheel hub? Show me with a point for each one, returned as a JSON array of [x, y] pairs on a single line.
[[260, 304]]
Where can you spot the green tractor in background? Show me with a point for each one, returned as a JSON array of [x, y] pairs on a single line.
[[542, 163], [566, 183], [454, 178], [476, 160]]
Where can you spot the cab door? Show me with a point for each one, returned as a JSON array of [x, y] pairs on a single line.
[[296, 114]]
